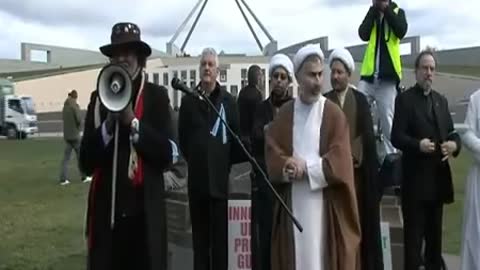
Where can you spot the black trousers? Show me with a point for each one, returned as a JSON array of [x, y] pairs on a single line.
[[422, 224], [262, 207], [210, 233], [129, 249]]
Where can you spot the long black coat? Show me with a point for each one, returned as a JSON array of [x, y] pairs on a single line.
[[209, 159], [155, 149], [369, 186], [425, 176], [248, 100]]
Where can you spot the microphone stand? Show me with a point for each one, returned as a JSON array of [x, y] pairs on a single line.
[[251, 159], [114, 174]]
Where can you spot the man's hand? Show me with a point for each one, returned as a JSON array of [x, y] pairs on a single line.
[[127, 115], [295, 168], [381, 5], [427, 146], [448, 148]]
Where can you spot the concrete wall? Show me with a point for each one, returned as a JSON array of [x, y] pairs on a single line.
[[65, 57], [358, 51], [456, 57], [12, 65], [49, 93]]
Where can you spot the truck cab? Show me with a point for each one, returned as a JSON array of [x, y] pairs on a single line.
[[18, 117]]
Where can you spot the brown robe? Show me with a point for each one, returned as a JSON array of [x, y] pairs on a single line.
[[350, 109], [365, 163], [343, 227]]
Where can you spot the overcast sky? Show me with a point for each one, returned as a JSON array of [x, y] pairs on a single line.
[[87, 24]]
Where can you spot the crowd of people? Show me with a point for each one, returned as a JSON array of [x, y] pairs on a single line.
[[319, 150]]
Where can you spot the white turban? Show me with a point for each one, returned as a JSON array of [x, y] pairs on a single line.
[[305, 52], [345, 57], [281, 60]]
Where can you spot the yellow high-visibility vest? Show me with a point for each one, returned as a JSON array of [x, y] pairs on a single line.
[[393, 46]]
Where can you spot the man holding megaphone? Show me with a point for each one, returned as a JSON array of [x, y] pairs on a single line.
[[127, 145]]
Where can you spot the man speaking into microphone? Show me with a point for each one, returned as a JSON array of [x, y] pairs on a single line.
[[136, 236], [210, 150]]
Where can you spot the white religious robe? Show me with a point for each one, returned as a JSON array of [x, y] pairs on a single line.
[[307, 194], [471, 220]]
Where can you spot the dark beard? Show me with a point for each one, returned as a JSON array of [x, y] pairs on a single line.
[[278, 100]]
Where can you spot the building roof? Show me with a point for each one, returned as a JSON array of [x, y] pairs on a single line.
[[224, 60]]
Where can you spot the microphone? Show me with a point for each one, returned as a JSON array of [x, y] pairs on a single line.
[[179, 85]]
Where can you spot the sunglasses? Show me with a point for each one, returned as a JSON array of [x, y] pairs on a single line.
[[280, 76]]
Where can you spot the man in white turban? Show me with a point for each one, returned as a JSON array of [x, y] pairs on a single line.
[[364, 158], [307, 150], [280, 78]]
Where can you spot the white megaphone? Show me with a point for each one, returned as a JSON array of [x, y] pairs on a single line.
[[114, 86]]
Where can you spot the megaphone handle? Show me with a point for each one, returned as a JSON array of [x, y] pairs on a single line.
[[114, 175]]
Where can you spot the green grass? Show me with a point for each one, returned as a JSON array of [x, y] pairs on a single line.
[[41, 222], [453, 213], [460, 70]]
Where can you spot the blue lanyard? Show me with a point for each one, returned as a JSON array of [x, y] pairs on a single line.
[[214, 130]]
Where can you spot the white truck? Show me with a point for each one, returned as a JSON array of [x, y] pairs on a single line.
[[18, 118]]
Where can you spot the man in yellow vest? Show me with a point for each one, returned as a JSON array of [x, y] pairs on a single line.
[[383, 27]]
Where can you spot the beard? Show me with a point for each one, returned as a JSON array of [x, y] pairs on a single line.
[[338, 86], [310, 97], [279, 97], [426, 85]]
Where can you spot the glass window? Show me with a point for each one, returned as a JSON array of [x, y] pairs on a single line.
[[244, 77], [156, 78], [15, 105], [223, 75], [193, 78], [7, 90], [183, 76], [165, 79], [29, 105], [175, 74], [244, 73]]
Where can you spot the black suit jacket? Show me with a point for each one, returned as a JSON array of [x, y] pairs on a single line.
[[425, 176], [209, 159], [155, 148]]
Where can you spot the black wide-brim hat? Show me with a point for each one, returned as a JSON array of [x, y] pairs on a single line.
[[126, 35]]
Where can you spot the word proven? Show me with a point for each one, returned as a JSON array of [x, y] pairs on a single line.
[[239, 235]]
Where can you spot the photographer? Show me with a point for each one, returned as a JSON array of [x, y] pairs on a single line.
[[383, 28]]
